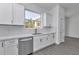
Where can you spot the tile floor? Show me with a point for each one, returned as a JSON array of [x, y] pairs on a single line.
[[69, 47]]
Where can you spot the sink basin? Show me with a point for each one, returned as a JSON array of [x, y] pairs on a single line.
[[37, 34]]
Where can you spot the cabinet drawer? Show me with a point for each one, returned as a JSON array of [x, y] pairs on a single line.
[[11, 42], [44, 36]]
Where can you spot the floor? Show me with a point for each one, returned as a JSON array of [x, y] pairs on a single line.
[[69, 47]]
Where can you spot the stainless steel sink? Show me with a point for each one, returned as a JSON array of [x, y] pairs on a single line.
[[37, 34]]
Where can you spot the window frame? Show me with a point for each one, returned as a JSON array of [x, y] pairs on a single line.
[[25, 19]]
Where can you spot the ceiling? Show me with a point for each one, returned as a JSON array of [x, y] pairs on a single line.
[[51, 5], [71, 9], [46, 6]]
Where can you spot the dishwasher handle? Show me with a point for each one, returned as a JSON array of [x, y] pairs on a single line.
[[26, 39]]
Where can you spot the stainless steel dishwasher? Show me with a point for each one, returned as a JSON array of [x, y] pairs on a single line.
[[26, 46]]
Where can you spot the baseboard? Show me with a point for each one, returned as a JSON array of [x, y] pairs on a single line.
[[71, 37], [57, 43]]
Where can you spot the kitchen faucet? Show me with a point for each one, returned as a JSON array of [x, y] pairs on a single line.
[[36, 31]]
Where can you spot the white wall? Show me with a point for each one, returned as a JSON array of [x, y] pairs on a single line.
[[33, 7], [72, 26]]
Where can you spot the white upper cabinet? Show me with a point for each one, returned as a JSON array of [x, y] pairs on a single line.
[[11, 14], [5, 13], [18, 14], [46, 20]]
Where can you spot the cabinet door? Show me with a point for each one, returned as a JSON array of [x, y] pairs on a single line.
[[5, 13], [43, 41], [46, 19], [50, 39], [11, 50], [11, 47], [1, 48], [18, 13], [36, 44]]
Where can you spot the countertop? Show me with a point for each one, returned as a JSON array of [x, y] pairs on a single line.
[[21, 36], [15, 36]]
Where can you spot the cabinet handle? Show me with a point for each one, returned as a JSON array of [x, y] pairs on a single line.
[[54, 35], [40, 40], [2, 44]]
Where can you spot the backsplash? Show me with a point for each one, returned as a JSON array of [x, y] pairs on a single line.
[[45, 30], [18, 30], [3, 31]]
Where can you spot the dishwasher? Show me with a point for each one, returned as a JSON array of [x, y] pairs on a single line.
[[25, 46]]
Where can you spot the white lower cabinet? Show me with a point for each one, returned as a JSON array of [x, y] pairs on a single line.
[[42, 41], [11, 50], [1, 48], [39, 42], [50, 39], [9, 47], [36, 43]]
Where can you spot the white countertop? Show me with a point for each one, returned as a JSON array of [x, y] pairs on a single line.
[[21, 36], [15, 36]]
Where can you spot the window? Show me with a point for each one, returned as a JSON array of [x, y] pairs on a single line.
[[32, 19]]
